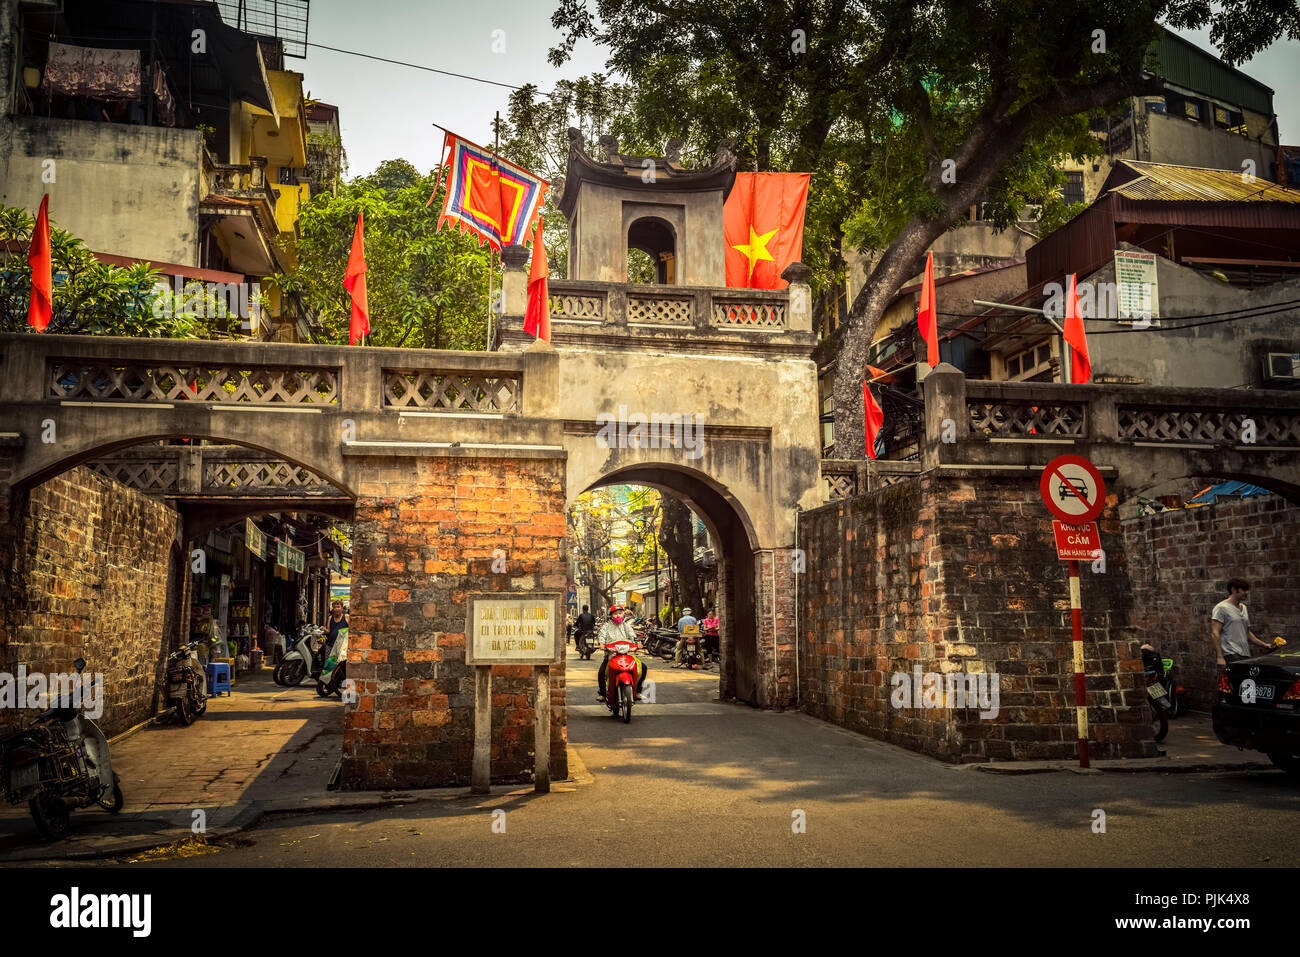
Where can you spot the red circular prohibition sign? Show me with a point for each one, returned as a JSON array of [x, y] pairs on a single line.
[[1072, 489]]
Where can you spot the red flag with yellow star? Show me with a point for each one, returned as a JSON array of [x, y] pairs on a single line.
[[762, 226]]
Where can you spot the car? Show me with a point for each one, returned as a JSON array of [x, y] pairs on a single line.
[[1259, 707]]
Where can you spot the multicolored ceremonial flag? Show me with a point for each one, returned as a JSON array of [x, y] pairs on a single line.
[[488, 196], [762, 226]]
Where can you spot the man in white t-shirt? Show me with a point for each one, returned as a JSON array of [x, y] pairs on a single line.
[[1230, 625]]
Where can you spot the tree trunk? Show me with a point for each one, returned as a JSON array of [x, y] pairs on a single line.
[[676, 535]]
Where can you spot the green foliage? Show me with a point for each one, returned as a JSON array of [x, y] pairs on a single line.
[[92, 298], [425, 288], [612, 531]]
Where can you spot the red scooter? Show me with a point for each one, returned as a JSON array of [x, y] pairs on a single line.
[[620, 683]]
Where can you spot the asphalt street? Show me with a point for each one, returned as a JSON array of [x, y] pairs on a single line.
[[692, 781]]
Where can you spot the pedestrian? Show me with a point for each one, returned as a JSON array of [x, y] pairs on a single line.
[[1230, 625], [711, 642], [337, 622], [682, 624]]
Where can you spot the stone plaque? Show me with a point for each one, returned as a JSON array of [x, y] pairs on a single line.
[[518, 629]]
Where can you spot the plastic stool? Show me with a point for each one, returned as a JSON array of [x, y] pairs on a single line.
[[218, 679]]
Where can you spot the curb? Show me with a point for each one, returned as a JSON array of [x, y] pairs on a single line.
[[1171, 768]]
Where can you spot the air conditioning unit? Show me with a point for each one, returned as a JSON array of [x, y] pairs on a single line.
[[1282, 367]]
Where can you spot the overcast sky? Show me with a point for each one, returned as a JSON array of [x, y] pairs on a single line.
[[386, 110]]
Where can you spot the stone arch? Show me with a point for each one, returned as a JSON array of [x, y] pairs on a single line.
[[730, 527], [94, 449], [657, 238]]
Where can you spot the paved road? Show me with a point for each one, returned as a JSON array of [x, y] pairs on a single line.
[[693, 781]]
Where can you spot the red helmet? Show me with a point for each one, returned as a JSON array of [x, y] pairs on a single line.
[[617, 613]]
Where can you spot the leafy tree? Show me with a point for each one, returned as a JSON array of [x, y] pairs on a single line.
[[677, 538], [93, 298], [424, 287], [879, 98], [612, 532]]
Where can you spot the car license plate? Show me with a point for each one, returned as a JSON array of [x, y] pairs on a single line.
[[1264, 692], [1156, 690]]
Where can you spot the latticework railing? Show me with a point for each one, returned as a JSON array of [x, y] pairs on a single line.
[[661, 310], [451, 392], [131, 381], [750, 314], [236, 476], [1001, 418], [840, 482], [158, 475], [1209, 426], [575, 306]]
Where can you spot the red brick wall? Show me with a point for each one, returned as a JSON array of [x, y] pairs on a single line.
[[1179, 562], [961, 575], [87, 577], [424, 538]]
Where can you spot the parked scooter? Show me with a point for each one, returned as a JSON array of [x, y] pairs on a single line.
[[1157, 693], [1168, 675], [693, 652], [620, 682], [59, 762], [335, 670], [305, 661], [662, 642], [187, 683]]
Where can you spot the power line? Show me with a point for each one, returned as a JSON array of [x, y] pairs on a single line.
[[427, 69]]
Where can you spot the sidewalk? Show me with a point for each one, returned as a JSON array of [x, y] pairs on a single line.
[[1189, 746], [262, 746], [263, 750]]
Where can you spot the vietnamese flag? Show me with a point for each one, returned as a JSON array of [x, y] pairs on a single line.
[[927, 314], [1080, 364], [537, 319], [875, 418], [762, 227], [354, 281], [42, 303]]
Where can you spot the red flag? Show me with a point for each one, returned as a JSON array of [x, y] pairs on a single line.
[[762, 227], [1080, 364], [42, 304], [927, 316], [537, 319], [354, 281], [875, 418]]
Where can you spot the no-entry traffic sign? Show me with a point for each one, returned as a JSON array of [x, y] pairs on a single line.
[[1072, 489]]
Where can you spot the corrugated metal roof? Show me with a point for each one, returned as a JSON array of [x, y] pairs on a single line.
[[1187, 65], [1183, 184]]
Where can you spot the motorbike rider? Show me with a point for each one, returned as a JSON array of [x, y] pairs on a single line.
[[586, 623], [618, 628], [682, 623]]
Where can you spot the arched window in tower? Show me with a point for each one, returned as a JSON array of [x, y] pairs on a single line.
[[651, 251]]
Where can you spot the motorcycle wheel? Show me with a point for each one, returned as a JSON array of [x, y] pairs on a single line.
[[183, 713], [278, 674], [118, 800], [1159, 724], [1290, 763], [201, 706], [625, 698], [322, 690], [294, 672], [51, 816], [1177, 707]]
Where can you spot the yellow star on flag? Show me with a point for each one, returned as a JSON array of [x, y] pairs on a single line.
[[756, 248]]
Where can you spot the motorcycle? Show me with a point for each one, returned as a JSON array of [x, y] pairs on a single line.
[[1167, 673], [187, 683], [661, 642], [1158, 695], [59, 762], [334, 672], [586, 645], [305, 661], [693, 652], [620, 683]]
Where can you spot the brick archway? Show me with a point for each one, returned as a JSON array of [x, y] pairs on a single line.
[[740, 593]]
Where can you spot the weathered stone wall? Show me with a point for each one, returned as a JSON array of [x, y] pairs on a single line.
[[87, 577], [929, 573], [424, 538], [1179, 562]]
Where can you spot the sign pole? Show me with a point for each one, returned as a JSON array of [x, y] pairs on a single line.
[[1080, 682], [542, 737], [481, 774]]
